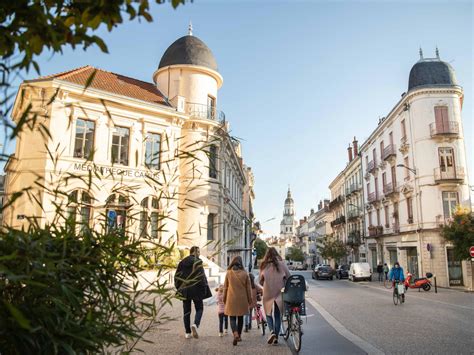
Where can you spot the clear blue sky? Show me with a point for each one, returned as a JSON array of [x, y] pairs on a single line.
[[300, 78]]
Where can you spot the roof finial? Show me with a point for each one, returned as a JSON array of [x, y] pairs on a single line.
[[190, 28], [421, 53], [437, 52]]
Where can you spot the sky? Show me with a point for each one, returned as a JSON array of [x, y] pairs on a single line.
[[301, 78]]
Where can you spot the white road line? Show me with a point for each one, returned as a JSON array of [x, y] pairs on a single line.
[[346, 333], [420, 298]]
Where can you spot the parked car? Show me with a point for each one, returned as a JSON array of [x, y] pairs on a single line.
[[360, 271], [323, 272], [301, 266], [342, 272]]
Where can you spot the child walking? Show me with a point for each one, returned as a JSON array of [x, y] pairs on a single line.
[[223, 319], [256, 291]]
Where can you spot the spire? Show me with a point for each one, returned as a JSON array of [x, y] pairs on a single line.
[[421, 53], [289, 191], [437, 52], [190, 28]]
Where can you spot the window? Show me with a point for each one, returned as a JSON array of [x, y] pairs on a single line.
[[387, 218], [120, 142], [210, 226], [384, 180], [410, 209], [84, 142], [116, 213], [150, 217], [378, 217], [79, 210], [394, 177], [370, 218], [211, 107], [407, 165], [404, 130], [213, 162], [390, 137], [446, 159], [367, 161], [450, 200], [374, 155], [381, 150], [376, 183], [152, 151], [441, 119]]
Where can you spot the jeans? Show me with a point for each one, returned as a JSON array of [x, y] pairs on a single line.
[[236, 324], [380, 276], [198, 305], [274, 327], [248, 318], [223, 322], [386, 275]]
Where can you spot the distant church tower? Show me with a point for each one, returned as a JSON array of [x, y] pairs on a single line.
[[288, 223]]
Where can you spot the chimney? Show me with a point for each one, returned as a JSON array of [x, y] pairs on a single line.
[[356, 148], [312, 211], [320, 205], [349, 152]]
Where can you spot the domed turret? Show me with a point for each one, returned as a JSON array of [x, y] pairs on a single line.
[[431, 72]]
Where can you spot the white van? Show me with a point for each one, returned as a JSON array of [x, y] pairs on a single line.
[[360, 271]]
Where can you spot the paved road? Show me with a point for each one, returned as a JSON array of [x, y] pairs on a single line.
[[431, 323]]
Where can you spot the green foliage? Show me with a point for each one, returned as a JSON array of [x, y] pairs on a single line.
[[261, 248], [64, 293], [460, 232], [295, 254], [332, 248]]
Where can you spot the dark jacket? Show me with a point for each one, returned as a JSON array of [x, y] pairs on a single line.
[[379, 268], [190, 279]]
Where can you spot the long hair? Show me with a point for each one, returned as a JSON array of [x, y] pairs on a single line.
[[236, 263], [271, 257]]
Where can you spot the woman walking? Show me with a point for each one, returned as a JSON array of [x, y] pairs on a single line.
[[256, 291], [237, 296], [273, 272]]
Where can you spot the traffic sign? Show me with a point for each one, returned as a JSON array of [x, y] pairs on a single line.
[[471, 251]]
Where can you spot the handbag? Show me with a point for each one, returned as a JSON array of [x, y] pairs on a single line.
[[401, 288], [207, 292]]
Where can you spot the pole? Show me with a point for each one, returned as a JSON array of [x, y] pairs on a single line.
[[436, 287]]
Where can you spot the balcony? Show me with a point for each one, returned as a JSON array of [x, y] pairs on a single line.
[[372, 197], [353, 239], [372, 166], [338, 220], [204, 112], [353, 214], [337, 201], [375, 231], [389, 152], [446, 129], [396, 227], [390, 190], [449, 175]]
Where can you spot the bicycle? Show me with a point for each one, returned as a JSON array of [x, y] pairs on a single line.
[[260, 318], [294, 308], [398, 293]]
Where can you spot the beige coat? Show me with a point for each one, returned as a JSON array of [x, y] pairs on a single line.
[[237, 293], [273, 282]]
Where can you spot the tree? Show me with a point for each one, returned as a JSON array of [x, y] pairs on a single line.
[[332, 248], [295, 254], [460, 232], [261, 248]]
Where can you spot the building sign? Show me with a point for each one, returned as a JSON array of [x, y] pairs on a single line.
[[112, 170]]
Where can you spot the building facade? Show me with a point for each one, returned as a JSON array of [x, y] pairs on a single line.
[[145, 158], [414, 168]]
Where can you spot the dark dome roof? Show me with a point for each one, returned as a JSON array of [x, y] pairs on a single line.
[[431, 72], [188, 50]]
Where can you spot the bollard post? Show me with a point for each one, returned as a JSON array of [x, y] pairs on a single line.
[[436, 288]]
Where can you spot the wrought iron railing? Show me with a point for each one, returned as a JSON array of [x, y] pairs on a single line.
[[449, 174], [450, 128], [204, 112], [389, 151]]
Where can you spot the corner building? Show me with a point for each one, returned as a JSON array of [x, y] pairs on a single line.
[[161, 148], [414, 168]]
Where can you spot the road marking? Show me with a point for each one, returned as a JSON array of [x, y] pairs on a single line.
[[346, 333], [420, 298]]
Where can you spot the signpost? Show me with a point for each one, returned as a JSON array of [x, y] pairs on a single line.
[[471, 251]]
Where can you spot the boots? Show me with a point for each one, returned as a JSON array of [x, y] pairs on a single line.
[[236, 338]]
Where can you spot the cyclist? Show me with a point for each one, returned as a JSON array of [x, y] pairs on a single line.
[[396, 275]]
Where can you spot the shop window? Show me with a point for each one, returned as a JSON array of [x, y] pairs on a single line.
[[152, 151], [117, 207], [79, 210], [120, 145], [84, 139]]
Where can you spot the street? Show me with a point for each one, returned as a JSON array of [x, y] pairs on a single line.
[[363, 311]]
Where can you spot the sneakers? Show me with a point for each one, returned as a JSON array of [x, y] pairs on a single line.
[[221, 334], [272, 338], [226, 331], [194, 330], [188, 336]]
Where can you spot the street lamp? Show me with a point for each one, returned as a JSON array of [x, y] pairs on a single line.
[[406, 167]]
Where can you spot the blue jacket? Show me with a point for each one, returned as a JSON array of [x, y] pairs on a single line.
[[396, 274]]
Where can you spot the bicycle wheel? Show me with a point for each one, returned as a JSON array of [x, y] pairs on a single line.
[[286, 327], [295, 330], [387, 284], [395, 296]]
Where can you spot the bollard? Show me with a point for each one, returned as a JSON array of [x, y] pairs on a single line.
[[436, 288]]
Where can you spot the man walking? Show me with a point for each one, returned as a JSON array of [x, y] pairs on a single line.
[[191, 283], [380, 271]]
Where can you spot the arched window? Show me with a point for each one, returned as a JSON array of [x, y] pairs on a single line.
[[116, 212], [79, 210], [213, 161], [150, 217]]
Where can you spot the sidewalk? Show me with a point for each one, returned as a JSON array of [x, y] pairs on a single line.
[[169, 338]]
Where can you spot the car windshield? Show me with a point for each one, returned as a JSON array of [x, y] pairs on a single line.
[[326, 269], [345, 267]]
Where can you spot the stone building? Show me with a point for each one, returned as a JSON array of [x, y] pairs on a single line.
[[123, 153], [414, 167]]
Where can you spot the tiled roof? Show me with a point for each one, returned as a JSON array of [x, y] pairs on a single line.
[[113, 83]]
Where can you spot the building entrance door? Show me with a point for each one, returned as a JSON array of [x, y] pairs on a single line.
[[393, 257], [412, 261], [454, 269], [373, 258]]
